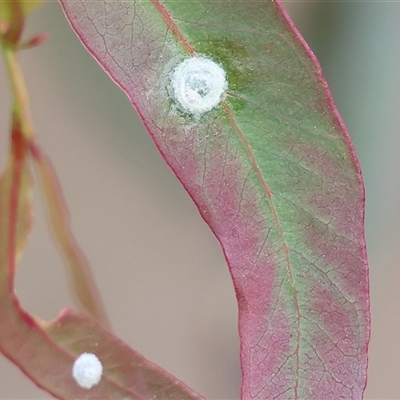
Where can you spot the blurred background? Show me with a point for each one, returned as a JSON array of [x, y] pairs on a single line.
[[161, 272]]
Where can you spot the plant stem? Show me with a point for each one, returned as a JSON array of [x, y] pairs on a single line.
[[21, 104]]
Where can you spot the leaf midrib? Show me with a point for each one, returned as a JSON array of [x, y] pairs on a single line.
[[185, 43]]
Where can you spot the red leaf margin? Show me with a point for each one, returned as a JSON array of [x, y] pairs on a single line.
[[178, 154]]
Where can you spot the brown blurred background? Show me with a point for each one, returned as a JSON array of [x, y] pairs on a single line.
[[160, 270]]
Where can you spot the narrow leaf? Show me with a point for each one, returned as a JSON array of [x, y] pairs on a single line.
[[122, 366], [46, 352], [82, 282], [270, 166]]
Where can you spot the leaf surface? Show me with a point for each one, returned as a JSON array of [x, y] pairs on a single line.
[[46, 353], [272, 171]]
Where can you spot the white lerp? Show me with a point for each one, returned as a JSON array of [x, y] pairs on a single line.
[[198, 84], [87, 370]]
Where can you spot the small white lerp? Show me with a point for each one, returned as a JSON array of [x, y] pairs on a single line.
[[198, 84], [87, 370]]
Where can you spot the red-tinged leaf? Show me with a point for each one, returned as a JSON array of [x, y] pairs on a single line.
[[271, 168], [81, 279], [122, 366], [46, 353]]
